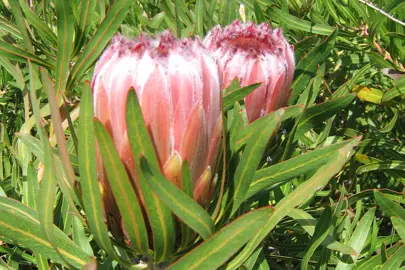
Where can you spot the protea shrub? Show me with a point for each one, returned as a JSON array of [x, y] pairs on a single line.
[[254, 54], [178, 88]]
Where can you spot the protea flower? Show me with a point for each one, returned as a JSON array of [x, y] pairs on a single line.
[[254, 53], [178, 89]]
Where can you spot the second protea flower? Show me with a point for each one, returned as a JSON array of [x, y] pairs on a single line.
[[178, 89], [254, 53]]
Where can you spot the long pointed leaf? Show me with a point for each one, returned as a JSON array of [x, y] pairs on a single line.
[[252, 155], [123, 190], [297, 197], [181, 204], [159, 215], [20, 224], [88, 174], [221, 246], [101, 37]]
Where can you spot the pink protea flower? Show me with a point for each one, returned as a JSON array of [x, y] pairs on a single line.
[[254, 53], [178, 88]]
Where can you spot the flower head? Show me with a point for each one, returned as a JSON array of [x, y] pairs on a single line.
[[254, 53], [178, 89]]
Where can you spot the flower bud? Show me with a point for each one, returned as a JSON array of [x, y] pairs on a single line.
[[254, 53], [178, 88]]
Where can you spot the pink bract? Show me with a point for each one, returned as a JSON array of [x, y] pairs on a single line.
[[254, 53], [178, 88]]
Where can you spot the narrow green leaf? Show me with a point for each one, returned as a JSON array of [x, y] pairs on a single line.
[[281, 172], [376, 260], [9, 27], [187, 187], [123, 190], [101, 37], [20, 224], [89, 184], [20, 21], [308, 223], [308, 65], [180, 203], [299, 24], [395, 261], [236, 95], [86, 14], [48, 184], [221, 246], [297, 197], [252, 156], [79, 236], [43, 29], [382, 166], [227, 11], [321, 112], [358, 239], [389, 207], [159, 215], [199, 20], [65, 45], [15, 53], [399, 226], [320, 234], [14, 71]]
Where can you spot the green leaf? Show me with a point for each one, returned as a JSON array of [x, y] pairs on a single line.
[[48, 184], [376, 260], [382, 166], [9, 27], [160, 216], [180, 203], [65, 46], [15, 53], [199, 20], [89, 184], [308, 223], [231, 97], [389, 207], [297, 197], [227, 11], [79, 236], [306, 68], [250, 131], [20, 21], [399, 226], [14, 71], [187, 187], [43, 30], [321, 112], [299, 24], [320, 234], [358, 239], [398, 90], [220, 247], [85, 20], [252, 155], [101, 37], [281, 172], [395, 261], [21, 225], [123, 190]]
